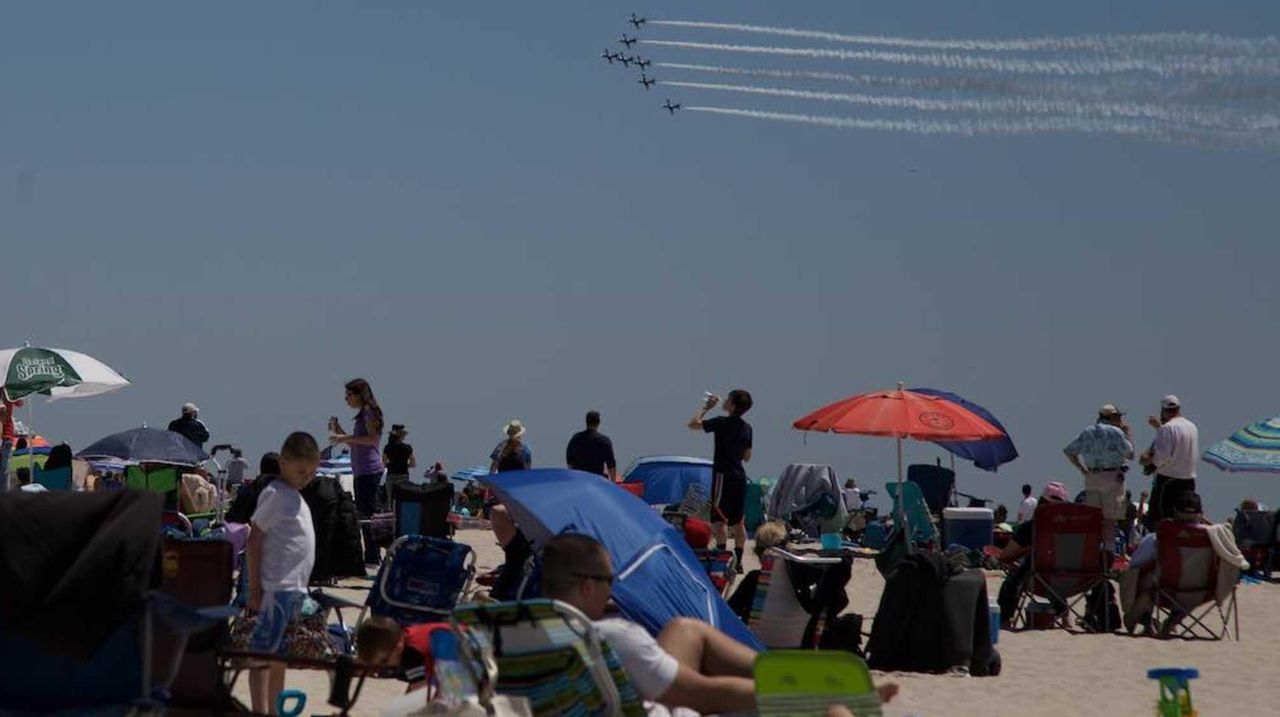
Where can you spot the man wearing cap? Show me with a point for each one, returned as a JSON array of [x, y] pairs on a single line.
[[190, 426], [1019, 549], [1101, 453], [1172, 457]]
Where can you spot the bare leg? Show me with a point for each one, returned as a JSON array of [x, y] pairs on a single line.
[[276, 683], [719, 534], [740, 536], [258, 689], [705, 649], [504, 528]]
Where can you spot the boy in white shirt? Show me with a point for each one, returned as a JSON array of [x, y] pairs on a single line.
[[281, 552]]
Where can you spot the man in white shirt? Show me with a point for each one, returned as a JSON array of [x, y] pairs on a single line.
[[1027, 507], [690, 666], [1172, 457]]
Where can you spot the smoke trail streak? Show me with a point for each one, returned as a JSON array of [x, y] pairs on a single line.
[[1182, 116], [1098, 88], [1002, 126], [1177, 42], [1164, 67]]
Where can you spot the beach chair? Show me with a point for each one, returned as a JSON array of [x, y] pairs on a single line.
[[804, 683], [920, 526], [547, 652], [422, 579], [56, 479], [1255, 533], [937, 485], [777, 616], [1066, 561], [721, 567], [422, 509], [1185, 604], [174, 522], [199, 574], [159, 480]]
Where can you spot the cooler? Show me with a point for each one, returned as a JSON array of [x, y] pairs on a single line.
[[972, 528]]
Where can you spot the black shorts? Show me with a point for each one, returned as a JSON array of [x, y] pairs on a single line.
[[728, 498]]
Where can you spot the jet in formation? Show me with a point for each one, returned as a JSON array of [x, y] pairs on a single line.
[[637, 21], [646, 81], [628, 41], [670, 107]]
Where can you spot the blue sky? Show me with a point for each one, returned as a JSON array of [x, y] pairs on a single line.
[[244, 205]]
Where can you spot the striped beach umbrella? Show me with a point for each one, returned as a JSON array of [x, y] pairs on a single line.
[[1252, 449], [57, 373]]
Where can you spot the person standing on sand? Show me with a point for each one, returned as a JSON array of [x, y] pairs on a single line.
[[1101, 453], [190, 426], [592, 451], [7, 434], [733, 441], [1027, 507], [1172, 457], [366, 460]]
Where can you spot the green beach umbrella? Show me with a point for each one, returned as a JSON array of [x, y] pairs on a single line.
[[57, 373]]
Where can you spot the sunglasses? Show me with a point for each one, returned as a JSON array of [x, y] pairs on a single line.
[[606, 579]]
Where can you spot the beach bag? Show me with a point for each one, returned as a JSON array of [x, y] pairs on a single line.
[[843, 633]]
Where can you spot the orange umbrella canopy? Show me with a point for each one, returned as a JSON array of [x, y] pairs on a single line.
[[902, 414]]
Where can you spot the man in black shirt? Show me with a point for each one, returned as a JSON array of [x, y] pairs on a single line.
[[729, 476], [591, 450]]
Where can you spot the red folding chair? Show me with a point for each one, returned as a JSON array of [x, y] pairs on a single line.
[[1187, 587], [1066, 562]]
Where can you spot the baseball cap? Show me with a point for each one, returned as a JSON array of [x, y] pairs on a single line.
[[1109, 410], [1170, 401], [189, 408], [1055, 491]]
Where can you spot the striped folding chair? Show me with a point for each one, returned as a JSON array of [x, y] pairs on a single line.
[[805, 683], [777, 617], [547, 652]]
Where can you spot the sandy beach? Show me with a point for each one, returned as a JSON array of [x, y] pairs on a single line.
[[1046, 673]]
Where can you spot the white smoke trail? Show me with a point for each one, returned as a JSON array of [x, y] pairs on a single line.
[[1177, 42], [1112, 87], [1003, 126], [1164, 67], [1181, 116]]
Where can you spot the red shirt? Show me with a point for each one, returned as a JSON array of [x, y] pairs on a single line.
[[9, 407]]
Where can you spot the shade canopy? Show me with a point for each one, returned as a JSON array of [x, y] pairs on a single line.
[[901, 414], [57, 373], [988, 454], [1252, 449]]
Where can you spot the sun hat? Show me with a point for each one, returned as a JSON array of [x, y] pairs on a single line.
[[513, 429], [1170, 401], [1055, 491], [1109, 410]]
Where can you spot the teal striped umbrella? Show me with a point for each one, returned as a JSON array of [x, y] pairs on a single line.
[[1252, 449]]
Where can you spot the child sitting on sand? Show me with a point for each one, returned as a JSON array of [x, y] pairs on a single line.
[[772, 534], [281, 552], [381, 642]]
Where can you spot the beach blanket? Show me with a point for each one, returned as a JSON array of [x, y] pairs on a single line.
[[74, 566], [1230, 560]]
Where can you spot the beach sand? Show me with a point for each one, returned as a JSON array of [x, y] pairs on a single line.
[[1046, 673]]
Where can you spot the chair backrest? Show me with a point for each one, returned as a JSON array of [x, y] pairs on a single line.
[[937, 484], [1254, 527], [56, 479], [547, 652], [777, 617], [805, 683], [919, 520], [1068, 539], [717, 563], [161, 480], [177, 521], [1188, 563], [422, 579], [422, 509]]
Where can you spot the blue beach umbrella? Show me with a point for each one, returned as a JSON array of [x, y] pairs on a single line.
[[1252, 449], [657, 578], [987, 455]]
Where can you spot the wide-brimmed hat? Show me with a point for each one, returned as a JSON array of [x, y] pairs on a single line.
[[1055, 491], [1109, 410], [513, 429]]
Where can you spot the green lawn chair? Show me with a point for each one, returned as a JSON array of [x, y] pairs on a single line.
[[161, 480], [547, 652], [805, 683], [919, 521]]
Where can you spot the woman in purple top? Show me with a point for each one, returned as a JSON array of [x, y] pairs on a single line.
[[366, 459]]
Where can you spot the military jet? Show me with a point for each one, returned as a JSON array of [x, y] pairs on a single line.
[[637, 21], [642, 63], [628, 41], [646, 81], [609, 56], [670, 107]]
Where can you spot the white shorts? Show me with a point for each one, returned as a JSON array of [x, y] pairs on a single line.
[[1106, 490]]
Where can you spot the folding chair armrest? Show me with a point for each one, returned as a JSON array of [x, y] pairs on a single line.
[[185, 619], [333, 601], [808, 559]]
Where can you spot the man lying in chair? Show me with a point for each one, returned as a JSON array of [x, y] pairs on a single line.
[[690, 665]]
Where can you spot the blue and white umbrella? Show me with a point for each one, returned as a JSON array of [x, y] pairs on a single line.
[[1252, 449]]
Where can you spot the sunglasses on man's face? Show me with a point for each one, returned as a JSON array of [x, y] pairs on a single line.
[[606, 579]]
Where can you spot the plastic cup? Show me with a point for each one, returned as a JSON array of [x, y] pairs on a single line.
[[831, 541]]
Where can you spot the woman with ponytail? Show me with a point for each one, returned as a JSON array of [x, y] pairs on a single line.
[[366, 460]]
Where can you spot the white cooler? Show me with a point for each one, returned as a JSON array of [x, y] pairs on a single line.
[[970, 527]]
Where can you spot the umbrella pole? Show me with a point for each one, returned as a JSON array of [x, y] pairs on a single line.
[[902, 510]]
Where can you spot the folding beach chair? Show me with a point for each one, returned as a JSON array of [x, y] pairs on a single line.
[[937, 485], [1185, 601], [777, 616], [422, 509], [804, 683], [159, 480], [56, 479], [174, 522], [547, 652], [721, 567], [1255, 533], [199, 573], [1066, 561], [920, 526], [422, 579]]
